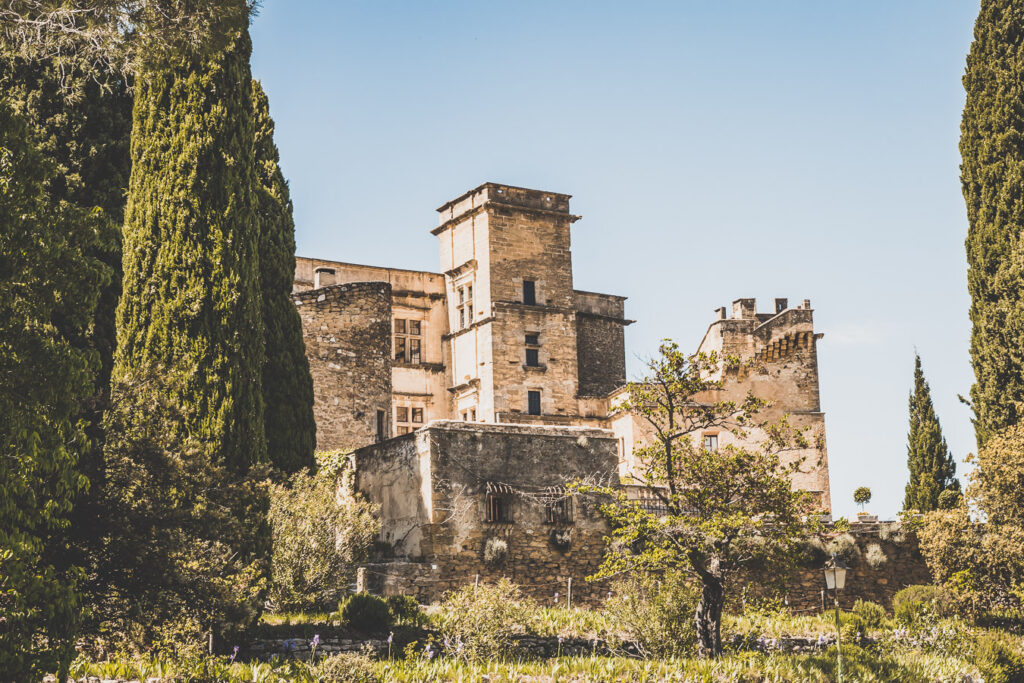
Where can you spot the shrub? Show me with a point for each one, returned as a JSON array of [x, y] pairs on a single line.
[[405, 609], [875, 556], [845, 548], [479, 622], [871, 613], [810, 553], [495, 551], [346, 668], [998, 657], [915, 603], [656, 612], [365, 613], [317, 540]]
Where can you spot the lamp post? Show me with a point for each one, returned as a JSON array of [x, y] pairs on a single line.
[[835, 581]]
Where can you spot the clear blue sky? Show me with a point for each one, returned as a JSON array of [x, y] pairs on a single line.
[[716, 150]]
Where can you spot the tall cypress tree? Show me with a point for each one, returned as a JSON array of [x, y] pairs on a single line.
[[191, 302], [287, 384], [992, 174], [931, 465]]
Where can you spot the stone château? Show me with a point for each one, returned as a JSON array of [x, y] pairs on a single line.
[[471, 395]]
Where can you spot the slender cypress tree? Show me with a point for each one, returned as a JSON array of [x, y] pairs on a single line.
[[931, 465], [191, 303], [992, 174], [287, 384]]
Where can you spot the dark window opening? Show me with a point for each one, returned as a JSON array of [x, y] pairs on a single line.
[[533, 340], [559, 511], [529, 293], [533, 402], [380, 425], [417, 415], [533, 358], [711, 442], [498, 509]]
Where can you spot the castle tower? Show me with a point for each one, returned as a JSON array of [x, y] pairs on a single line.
[[512, 345]]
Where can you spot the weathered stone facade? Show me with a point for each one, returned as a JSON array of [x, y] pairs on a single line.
[[487, 373], [347, 332], [452, 488]]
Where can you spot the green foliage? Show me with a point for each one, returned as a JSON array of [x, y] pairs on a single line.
[[949, 499], [656, 612], [871, 613], [992, 176], [983, 563], [999, 657], [480, 621], [346, 668], [723, 510], [287, 384], [50, 279], [365, 613], [317, 540], [844, 547], [186, 537], [191, 298], [405, 609], [915, 604], [862, 496], [931, 465]]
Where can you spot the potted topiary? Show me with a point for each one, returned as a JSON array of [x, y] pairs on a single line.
[[862, 496]]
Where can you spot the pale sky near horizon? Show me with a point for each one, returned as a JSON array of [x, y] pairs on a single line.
[[716, 150]]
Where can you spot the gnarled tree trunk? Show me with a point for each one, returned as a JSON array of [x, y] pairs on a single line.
[[709, 611]]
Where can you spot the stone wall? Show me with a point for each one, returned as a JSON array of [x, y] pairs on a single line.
[[601, 353], [446, 486], [347, 331], [903, 566]]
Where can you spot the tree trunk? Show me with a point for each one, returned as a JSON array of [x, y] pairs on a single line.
[[709, 614]]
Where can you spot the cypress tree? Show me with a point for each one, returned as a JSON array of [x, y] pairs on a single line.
[[191, 303], [992, 175], [931, 465], [287, 384]]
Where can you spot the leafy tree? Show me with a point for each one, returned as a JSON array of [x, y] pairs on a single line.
[[50, 280], [931, 464], [977, 548], [186, 537], [721, 510], [317, 537], [287, 384], [862, 496], [191, 300], [992, 175]]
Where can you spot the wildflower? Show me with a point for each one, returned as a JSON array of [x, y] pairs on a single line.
[[560, 640], [234, 653], [315, 643], [556, 596], [391, 637]]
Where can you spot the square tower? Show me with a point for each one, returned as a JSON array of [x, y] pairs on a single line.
[[505, 255]]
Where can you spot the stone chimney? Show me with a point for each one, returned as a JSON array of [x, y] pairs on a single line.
[[744, 309], [781, 305], [720, 313]]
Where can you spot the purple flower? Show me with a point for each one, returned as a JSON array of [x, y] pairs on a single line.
[[560, 640], [391, 637], [315, 642], [234, 653]]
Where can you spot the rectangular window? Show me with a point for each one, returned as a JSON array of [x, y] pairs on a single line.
[[497, 509], [533, 402], [380, 425], [408, 418], [533, 340], [465, 306], [533, 358], [529, 293], [711, 442], [408, 340], [559, 511]]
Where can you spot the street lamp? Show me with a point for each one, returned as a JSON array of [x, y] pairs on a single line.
[[835, 581]]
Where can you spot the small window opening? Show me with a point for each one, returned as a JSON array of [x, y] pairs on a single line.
[[498, 508], [559, 511], [380, 425], [408, 340], [529, 293], [711, 442], [533, 402]]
